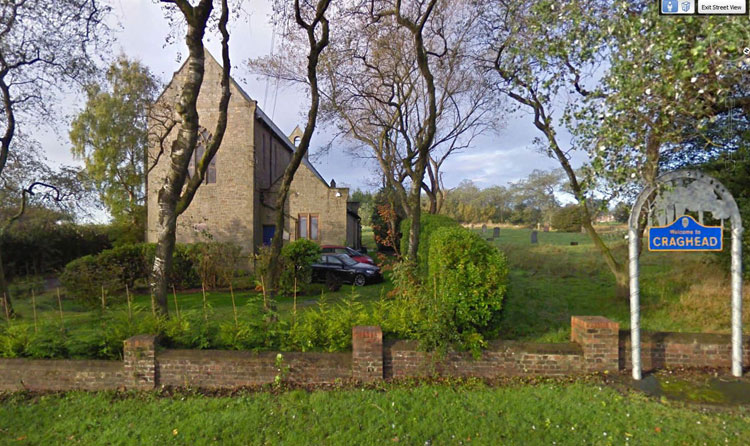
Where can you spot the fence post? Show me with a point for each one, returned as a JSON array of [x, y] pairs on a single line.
[[367, 353]]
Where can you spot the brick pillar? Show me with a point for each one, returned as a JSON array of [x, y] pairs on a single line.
[[140, 362], [367, 353], [599, 338]]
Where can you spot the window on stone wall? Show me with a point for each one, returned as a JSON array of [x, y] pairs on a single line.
[[204, 136], [307, 226]]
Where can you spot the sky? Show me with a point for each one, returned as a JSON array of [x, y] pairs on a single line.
[[140, 31]]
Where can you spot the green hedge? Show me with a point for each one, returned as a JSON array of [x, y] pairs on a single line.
[[430, 224], [112, 269], [468, 279], [567, 219]]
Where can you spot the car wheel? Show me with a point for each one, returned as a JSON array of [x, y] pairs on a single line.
[[333, 283], [359, 280]]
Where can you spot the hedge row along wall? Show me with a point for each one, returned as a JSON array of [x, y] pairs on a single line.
[[597, 345]]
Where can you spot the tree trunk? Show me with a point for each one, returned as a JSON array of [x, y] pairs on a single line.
[[5, 297], [317, 45]]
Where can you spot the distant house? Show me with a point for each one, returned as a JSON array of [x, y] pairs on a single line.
[[236, 202]]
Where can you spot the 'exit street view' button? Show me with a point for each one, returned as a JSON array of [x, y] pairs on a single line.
[[722, 7]]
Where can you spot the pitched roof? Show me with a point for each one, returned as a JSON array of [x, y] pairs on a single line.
[[259, 113]]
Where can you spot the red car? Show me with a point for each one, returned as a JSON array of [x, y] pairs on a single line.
[[354, 254]]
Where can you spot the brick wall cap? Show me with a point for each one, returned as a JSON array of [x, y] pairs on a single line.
[[594, 322], [367, 331], [143, 340]]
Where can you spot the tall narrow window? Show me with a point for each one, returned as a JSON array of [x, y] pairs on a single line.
[[314, 227], [302, 225], [204, 136], [307, 226]]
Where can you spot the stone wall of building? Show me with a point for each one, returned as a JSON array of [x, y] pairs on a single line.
[[225, 208]]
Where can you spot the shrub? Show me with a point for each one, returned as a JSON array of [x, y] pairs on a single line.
[[429, 224], [468, 280], [567, 219], [215, 262], [85, 277], [297, 256], [386, 212]]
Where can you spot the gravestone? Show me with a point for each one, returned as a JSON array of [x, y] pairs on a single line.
[[484, 229], [533, 237], [496, 232], [546, 228]]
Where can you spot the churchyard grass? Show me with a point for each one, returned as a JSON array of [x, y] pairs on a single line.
[[451, 413], [549, 282]]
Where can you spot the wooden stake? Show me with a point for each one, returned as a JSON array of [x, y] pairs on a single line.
[[59, 305], [33, 307], [130, 309], [176, 307], [5, 305], [234, 307], [295, 298], [205, 315], [103, 301], [263, 288]]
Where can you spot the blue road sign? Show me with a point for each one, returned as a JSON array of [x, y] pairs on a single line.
[[685, 234]]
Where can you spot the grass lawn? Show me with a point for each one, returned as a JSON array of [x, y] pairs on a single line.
[[551, 281], [429, 414]]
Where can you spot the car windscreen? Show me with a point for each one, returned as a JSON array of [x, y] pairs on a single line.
[[348, 260]]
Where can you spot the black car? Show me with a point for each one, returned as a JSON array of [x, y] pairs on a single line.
[[335, 269]]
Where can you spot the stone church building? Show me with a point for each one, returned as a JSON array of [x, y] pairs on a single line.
[[236, 202]]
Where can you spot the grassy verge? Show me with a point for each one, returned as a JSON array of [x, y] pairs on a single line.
[[428, 414], [552, 280]]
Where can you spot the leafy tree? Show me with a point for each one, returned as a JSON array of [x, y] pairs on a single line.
[[44, 46], [111, 136], [567, 219]]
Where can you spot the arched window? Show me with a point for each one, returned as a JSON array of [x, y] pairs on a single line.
[[204, 137], [297, 139]]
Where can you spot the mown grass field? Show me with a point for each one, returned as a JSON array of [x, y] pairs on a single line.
[[471, 413]]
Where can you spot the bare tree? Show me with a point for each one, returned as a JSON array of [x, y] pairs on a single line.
[[306, 30], [175, 194], [44, 48]]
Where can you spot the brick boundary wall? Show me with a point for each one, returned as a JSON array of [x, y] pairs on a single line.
[[597, 344], [661, 350]]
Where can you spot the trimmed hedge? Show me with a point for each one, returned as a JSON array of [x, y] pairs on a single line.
[[430, 224], [112, 269], [468, 279]]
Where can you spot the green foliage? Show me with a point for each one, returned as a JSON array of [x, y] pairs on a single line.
[[466, 285], [115, 268], [567, 219], [298, 257], [44, 241], [621, 212], [111, 136], [429, 223], [216, 262], [85, 278]]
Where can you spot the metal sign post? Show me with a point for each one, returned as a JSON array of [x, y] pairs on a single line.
[[666, 202]]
